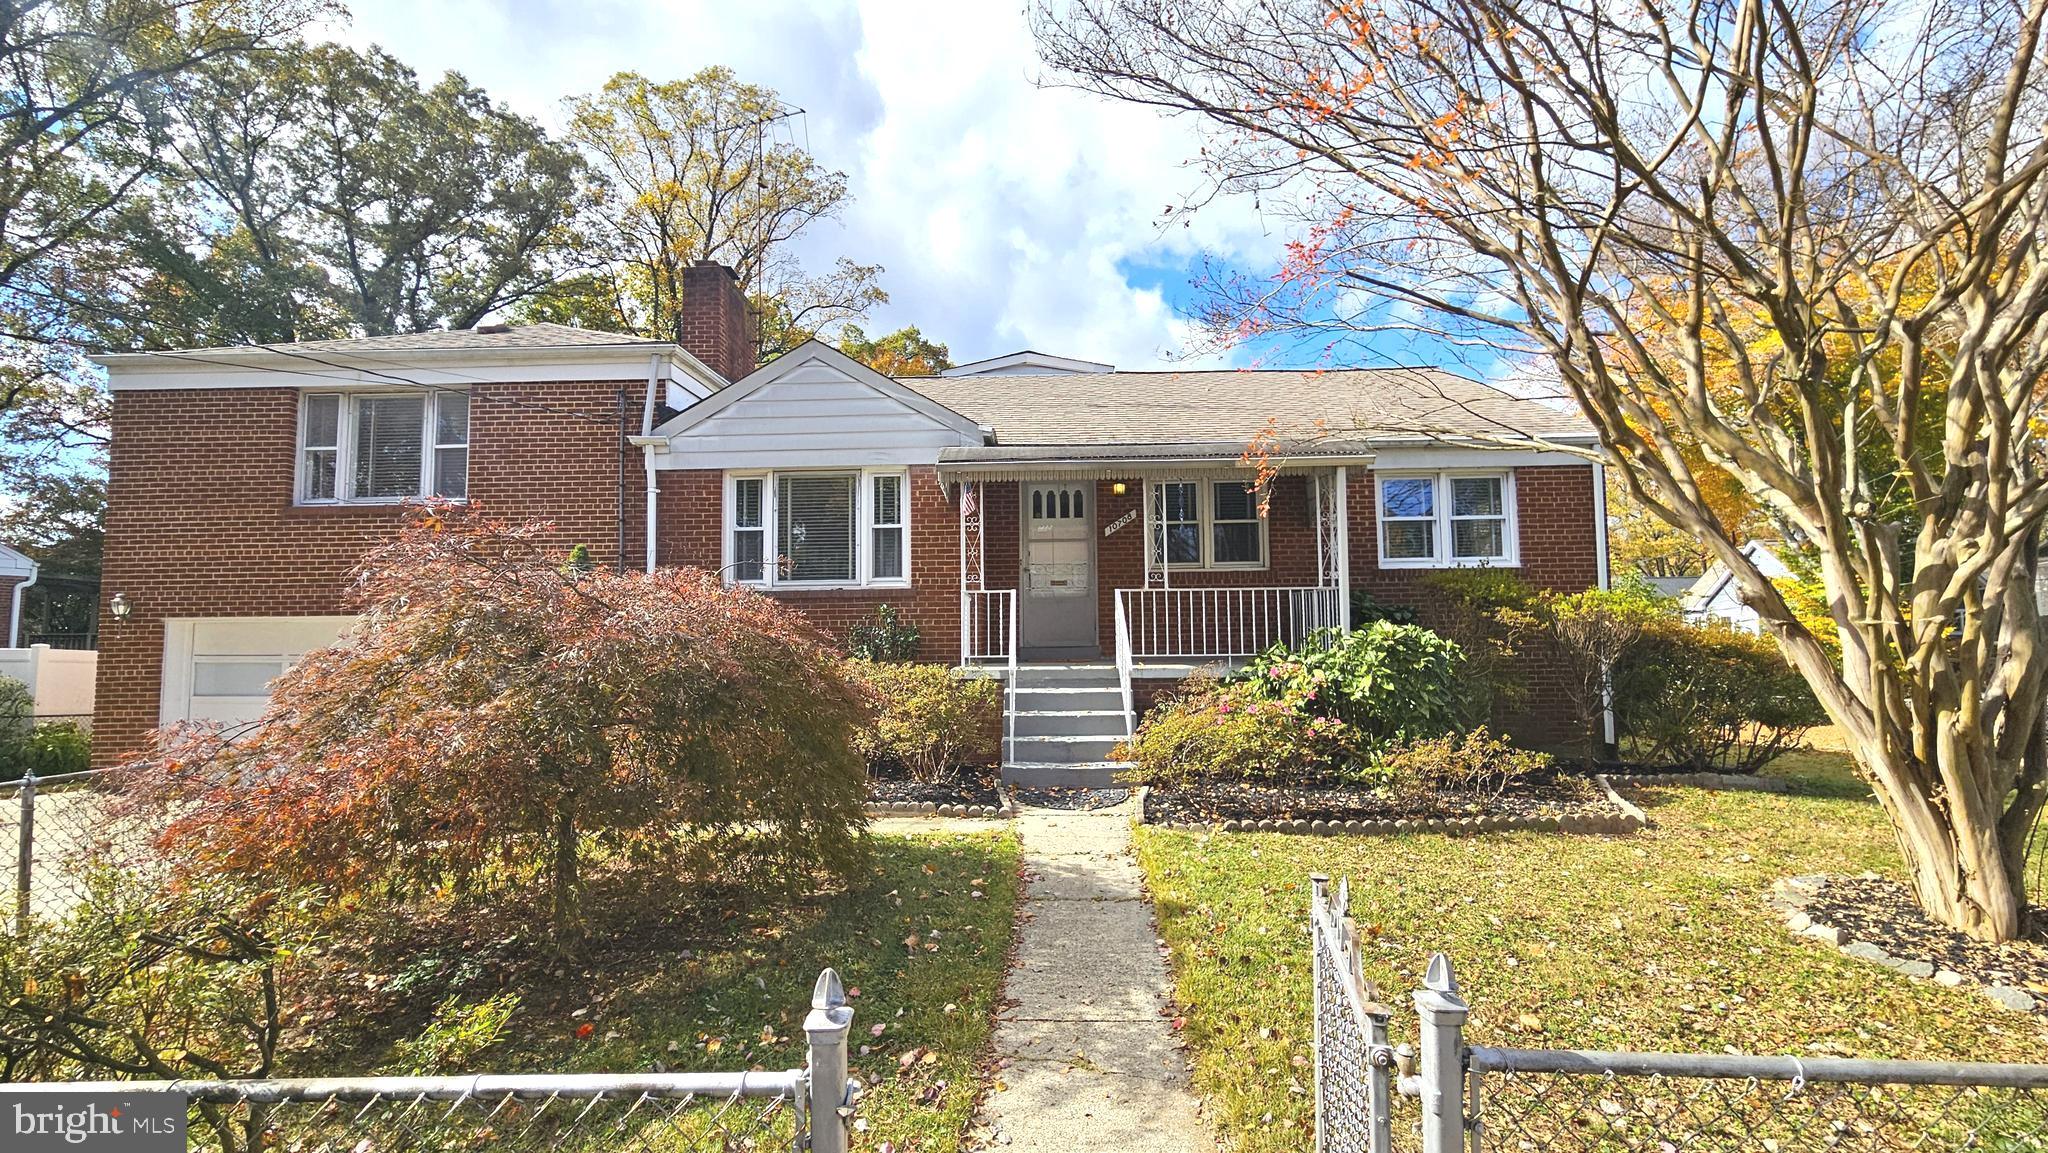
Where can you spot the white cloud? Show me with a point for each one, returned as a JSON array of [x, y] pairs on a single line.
[[1005, 214]]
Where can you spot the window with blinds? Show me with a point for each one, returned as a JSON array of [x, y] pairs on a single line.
[[887, 527], [814, 525], [383, 446]]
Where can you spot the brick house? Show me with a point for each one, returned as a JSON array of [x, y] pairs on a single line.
[[1084, 533]]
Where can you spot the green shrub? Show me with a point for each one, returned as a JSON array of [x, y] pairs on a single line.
[[1491, 615], [883, 639], [1710, 698], [460, 1032], [927, 718], [1366, 608], [1387, 683], [1475, 764], [1595, 631], [55, 747], [1230, 732]]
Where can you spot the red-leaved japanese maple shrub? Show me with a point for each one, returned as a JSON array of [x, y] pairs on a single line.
[[503, 717]]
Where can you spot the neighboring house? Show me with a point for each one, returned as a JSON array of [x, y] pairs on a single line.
[[17, 574], [1027, 508], [1715, 595]]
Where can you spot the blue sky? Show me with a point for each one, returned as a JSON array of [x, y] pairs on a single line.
[[1006, 214]]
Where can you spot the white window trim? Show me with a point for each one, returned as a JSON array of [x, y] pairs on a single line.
[[1511, 531], [345, 447], [1205, 519], [864, 530]]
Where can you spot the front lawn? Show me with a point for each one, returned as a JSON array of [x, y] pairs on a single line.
[[1658, 940], [921, 947]]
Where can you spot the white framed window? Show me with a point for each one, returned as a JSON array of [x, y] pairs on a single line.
[[885, 526], [382, 447], [828, 528], [1205, 525], [1450, 519]]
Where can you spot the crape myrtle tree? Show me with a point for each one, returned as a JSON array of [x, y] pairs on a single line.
[[501, 714], [1792, 244]]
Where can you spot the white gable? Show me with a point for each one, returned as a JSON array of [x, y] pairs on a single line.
[[813, 407], [1026, 363]]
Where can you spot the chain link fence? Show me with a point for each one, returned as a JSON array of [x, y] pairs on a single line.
[[1561, 1100], [1445, 1096], [796, 1109], [56, 831]]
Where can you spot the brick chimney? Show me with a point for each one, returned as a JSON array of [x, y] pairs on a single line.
[[717, 324]]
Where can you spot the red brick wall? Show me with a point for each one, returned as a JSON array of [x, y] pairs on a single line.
[[7, 584], [1559, 542], [716, 322], [201, 520], [692, 515]]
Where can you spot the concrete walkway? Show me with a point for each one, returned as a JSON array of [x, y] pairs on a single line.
[[1085, 1058]]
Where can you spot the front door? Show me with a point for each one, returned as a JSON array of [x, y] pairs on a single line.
[[1058, 580]]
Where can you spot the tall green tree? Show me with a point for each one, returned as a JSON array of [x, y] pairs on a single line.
[[697, 169], [84, 101], [322, 191], [904, 352]]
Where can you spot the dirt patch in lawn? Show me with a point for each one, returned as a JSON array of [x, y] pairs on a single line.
[[982, 787], [1210, 802], [1882, 912]]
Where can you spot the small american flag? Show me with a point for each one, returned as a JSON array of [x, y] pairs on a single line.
[[968, 503]]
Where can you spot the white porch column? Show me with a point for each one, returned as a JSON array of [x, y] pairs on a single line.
[[1343, 548]]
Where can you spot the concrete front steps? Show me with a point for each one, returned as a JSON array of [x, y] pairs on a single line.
[[1068, 717]]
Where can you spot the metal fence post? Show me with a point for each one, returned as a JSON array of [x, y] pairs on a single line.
[[1379, 1085], [24, 863], [1319, 888], [831, 1092], [1442, 1012]]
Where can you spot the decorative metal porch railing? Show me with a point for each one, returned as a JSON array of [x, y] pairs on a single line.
[[988, 626], [1212, 624]]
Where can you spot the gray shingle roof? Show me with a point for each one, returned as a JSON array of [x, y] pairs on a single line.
[[452, 340], [1141, 408]]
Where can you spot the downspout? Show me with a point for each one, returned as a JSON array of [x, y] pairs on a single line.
[[14, 613], [1601, 574], [622, 480], [647, 442]]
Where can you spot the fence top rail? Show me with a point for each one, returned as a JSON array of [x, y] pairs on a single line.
[[789, 1083], [54, 779], [1798, 1070]]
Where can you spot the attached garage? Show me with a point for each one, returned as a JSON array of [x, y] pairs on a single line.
[[220, 668]]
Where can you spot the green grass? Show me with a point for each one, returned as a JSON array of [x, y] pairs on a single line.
[[1659, 940], [729, 988]]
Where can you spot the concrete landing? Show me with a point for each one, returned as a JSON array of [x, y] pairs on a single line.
[[1085, 1058]]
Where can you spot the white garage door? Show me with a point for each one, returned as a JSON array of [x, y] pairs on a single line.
[[220, 668]]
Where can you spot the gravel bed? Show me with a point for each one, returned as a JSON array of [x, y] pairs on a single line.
[[1214, 802], [1880, 912], [979, 790], [1072, 798]]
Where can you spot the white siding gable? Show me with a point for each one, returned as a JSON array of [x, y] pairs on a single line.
[[813, 408]]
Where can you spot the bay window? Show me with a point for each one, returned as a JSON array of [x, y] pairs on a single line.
[[1213, 525], [1446, 519], [382, 447], [829, 528]]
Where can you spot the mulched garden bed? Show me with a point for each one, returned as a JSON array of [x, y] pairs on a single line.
[[1072, 798], [1215, 802], [979, 790], [1881, 912]]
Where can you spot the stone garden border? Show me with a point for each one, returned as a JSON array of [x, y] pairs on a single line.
[[1789, 898], [934, 809], [1626, 818]]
